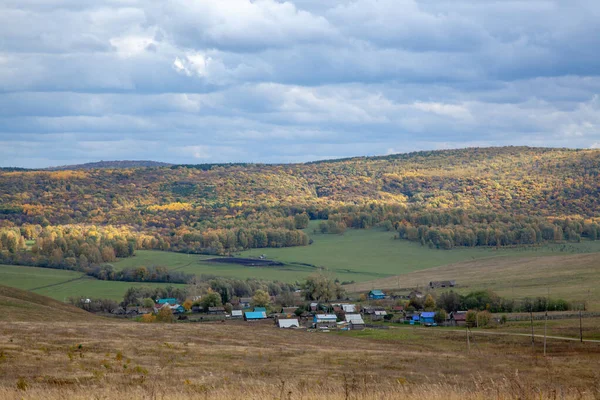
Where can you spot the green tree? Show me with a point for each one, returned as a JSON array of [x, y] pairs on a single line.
[[261, 299], [211, 299], [429, 303]]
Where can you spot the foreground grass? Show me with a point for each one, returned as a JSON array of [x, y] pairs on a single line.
[[112, 359]]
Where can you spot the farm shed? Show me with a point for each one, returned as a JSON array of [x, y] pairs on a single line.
[[288, 323], [376, 294], [216, 310], [441, 284], [255, 315], [458, 318], [356, 322], [427, 317], [325, 321], [237, 314], [378, 315]]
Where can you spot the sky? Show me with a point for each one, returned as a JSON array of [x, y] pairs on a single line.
[[207, 81]]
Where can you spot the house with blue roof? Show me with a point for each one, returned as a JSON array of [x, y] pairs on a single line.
[[376, 294], [427, 317], [170, 300], [260, 309], [255, 315]]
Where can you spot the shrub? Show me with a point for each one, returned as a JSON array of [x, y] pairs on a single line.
[[148, 318], [165, 315]]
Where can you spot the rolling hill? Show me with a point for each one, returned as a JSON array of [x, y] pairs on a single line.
[[20, 305]]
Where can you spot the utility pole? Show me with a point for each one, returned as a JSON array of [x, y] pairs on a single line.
[[580, 328], [546, 320], [532, 337]]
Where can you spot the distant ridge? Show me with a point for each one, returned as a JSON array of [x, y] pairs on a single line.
[[111, 164]]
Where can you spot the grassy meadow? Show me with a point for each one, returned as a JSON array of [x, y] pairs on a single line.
[[371, 258], [61, 284]]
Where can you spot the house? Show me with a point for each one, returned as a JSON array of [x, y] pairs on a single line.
[[458, 318], [255, 315], [415, 319], [370, 310], [169, 300], [355, 321], [325, 321], [398, 308], [216, 310], [378, 315], [441, 284], [416, 294], [177, 309], [349, 308], [237, 314], [427, 318], [260, 309], [245, 302], [314, 306], [288, 323], [376, 294]]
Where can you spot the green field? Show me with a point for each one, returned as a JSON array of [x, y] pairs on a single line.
[[61, 284], [371, 258]]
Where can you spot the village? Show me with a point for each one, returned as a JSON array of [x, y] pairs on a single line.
[[371, 311]]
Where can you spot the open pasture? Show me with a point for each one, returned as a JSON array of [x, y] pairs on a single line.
[[61, 284]]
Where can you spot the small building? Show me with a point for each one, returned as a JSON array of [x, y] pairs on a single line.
[[427, 318], [196, 309], [416, 294], [314, 306], [458, 318], [170, 300], [255, 315], [288, 323], [355, 321], [237, 314], [325, 321], [216, 310], [177, 309], [441, 284], [260, 309], [349, 308], [245, 302], [376, 294], [398, 308], [378, 315]]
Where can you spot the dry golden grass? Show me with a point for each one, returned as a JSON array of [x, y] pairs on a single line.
[[571, 277], [97, 358]]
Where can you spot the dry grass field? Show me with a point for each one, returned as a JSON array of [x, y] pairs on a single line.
[[52, 357], [571, 277]]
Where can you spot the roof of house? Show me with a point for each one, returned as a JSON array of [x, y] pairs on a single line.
[[245, 299], [216, 308], [256, 315], [258, 309], [169, 300], [349, 307], [427, 314], [288, 323], [236, 313], [380, 312], [459, 316], [326, 317], [354, 318], [376, 292]]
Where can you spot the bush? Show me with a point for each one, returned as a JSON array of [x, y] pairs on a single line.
[[165, 315], [440, 317], [148, 318]]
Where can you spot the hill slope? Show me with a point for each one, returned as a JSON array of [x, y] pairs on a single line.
[[20, 305]]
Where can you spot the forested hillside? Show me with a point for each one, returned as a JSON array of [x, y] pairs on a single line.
[[470, 197]]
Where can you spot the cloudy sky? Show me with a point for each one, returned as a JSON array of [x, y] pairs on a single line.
[[200, 81]]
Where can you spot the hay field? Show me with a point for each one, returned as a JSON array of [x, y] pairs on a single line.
[[44, 355], [572, 277]]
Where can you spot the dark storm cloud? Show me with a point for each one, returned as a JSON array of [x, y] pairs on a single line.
[[275, 81]]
